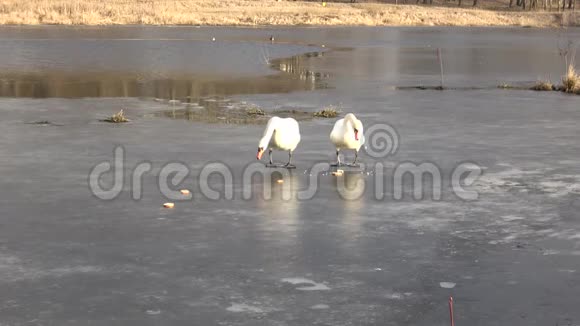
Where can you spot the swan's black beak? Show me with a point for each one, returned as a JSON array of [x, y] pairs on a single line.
[[356, 134], [259, 155]]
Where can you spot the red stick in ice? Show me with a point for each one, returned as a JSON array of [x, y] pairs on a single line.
[[451, 311]]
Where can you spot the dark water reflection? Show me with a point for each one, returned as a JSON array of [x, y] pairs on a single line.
[[63, 84], [166, 63], [173, 63]]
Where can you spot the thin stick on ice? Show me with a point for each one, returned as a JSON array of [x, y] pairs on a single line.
[[451, 319], [440, 59]]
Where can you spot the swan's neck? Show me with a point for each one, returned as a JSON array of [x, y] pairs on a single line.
[[265, 141], [349, 123]]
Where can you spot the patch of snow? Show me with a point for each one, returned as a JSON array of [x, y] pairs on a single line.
[[319, 307], [242, 307], [310, 285], [314, 287], [447, 285], [510, 218]]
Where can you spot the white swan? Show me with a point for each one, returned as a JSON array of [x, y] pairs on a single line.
[[347, 133], [280, 134]]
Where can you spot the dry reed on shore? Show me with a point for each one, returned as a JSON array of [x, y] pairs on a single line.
[[259, 12]]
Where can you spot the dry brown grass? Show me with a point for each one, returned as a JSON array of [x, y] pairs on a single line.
[[118, 117], [327, 112], [259, 12], [254, 110], [505, 86], [543, 85], [571, 81]]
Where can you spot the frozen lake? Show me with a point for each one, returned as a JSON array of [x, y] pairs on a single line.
[[510, 257]]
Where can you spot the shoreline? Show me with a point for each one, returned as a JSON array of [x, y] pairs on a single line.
[[246, 13]]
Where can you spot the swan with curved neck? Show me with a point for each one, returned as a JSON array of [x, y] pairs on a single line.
[[348, 133], [280, 134]]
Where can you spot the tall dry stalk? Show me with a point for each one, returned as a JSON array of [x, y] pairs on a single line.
[[571, 79], [440, 58]]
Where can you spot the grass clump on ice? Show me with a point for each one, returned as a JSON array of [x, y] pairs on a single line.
[[571, 80], [543, 85], [327, 112], [505, 86], [255, 111], [118, 117]]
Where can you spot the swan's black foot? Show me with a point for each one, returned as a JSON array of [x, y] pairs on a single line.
[[353, 165], [289, 166], [281, 166], [337, 164]]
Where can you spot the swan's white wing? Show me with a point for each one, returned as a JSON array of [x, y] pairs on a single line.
[[337, 133], [287, 134]]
